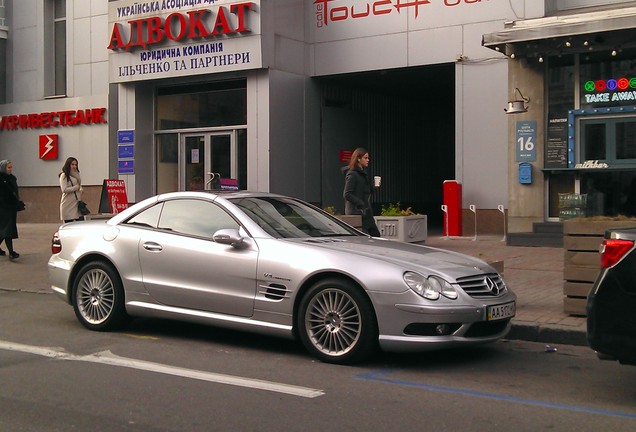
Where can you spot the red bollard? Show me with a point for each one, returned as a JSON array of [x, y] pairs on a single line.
[[453, 203]]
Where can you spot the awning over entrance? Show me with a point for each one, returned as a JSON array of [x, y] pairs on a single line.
[[594, 31]]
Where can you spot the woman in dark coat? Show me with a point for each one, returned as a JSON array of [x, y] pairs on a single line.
[[10, 204], [357, 191]]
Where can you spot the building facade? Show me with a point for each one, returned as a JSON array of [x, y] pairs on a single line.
[[576, 69], [275, 94]]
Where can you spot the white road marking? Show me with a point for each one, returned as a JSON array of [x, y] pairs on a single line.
[[108, 358]]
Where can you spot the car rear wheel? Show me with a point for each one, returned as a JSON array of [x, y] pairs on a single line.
[[336, 322], [98, 297]]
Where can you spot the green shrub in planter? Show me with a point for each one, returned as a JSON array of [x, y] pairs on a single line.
[[396, 210], [403, 225]]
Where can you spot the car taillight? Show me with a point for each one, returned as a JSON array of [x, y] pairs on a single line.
[[56, 244], [613, 250]]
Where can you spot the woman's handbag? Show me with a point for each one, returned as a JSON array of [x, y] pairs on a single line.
[[81, 205], [83, 208]]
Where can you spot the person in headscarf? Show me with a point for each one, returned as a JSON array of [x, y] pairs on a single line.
[[10, 204], [71, 185]]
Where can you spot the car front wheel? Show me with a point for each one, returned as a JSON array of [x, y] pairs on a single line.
[[98, 297], [336, 322]]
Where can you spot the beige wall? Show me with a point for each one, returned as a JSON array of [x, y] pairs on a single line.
[[43, 203]]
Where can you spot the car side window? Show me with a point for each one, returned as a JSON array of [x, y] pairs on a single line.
[[195, 217], [147, 218]]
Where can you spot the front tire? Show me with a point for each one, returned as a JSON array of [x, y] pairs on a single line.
[[98, 297], [336, 322]]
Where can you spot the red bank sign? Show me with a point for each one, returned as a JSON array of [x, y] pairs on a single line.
[[53, 119], [48, 146]]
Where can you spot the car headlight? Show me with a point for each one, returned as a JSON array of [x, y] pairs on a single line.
[[429, 287]]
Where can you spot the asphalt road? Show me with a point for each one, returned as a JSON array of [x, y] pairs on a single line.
[[166, 376]]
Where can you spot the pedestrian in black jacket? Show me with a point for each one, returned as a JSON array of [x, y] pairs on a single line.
[[10, 204], [357, 191]]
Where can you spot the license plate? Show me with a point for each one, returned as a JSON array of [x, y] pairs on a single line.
[[501, 311]]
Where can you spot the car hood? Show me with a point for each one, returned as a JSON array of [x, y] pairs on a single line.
[[406, 255]]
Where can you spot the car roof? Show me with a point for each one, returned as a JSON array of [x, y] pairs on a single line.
[[223, 194], [219, 192]]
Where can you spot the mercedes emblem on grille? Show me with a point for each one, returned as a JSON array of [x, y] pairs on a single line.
[[491, 285]]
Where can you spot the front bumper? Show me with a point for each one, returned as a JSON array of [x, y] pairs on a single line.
[[412, 325], [430, 343]]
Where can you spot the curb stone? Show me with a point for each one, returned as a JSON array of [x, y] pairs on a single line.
[[546, 334]]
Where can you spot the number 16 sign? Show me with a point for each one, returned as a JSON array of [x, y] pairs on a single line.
[[526, 141]]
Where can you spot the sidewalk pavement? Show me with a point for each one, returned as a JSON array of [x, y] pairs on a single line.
[[535, 274]]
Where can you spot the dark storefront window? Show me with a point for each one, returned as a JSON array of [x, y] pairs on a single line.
[[561, 74], [610, 193], [202, 105], [610, 139], [626, 139], [594, 140]]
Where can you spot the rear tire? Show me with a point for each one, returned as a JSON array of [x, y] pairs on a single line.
[[98, 297], [336, 322]]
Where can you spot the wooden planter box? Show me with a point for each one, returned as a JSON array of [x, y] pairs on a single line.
[[409, 229], [582, 239]]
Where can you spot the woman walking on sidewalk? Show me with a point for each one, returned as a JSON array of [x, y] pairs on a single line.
[[357, 191], [10, 205]]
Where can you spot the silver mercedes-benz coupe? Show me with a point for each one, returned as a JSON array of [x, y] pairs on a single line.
[[276, 265]]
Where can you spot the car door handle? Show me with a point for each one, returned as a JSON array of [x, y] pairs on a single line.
[[152, 246]]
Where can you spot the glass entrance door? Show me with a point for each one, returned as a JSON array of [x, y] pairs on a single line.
[[194, 168], [206, 157], [221, 160]]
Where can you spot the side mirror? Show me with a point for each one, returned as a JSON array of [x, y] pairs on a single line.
[[228, 237]]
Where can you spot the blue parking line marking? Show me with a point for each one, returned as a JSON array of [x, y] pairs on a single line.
[[381, 376]]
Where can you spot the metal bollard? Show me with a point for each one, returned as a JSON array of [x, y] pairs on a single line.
[[501, 208], [445, 210], [474, 210]]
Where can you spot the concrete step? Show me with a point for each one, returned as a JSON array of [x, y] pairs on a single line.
[[548, 227]]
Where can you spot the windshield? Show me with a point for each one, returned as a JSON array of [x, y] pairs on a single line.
[[290, 218]]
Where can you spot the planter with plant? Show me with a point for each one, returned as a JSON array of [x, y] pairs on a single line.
[[400, 224]]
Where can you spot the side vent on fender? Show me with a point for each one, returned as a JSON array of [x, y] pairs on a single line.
[[274, 291]]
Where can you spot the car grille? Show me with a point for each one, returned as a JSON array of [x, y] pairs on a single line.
[[483, 285]]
